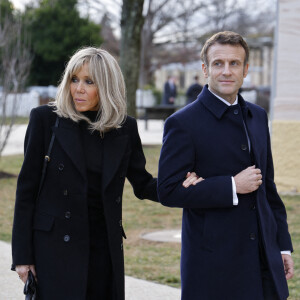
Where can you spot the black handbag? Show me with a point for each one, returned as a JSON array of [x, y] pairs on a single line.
[[30, 287]]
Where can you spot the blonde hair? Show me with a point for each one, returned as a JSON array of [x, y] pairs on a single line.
[[107, 76]]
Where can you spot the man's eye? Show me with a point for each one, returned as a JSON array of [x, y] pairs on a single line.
[[217, 64]]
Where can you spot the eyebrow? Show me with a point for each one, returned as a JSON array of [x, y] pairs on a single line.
[[220, 59]]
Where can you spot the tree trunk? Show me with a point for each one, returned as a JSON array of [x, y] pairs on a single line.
[[132, 21]]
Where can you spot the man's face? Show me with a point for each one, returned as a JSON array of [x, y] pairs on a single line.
[[225, 71]]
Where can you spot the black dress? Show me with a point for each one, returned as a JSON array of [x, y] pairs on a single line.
[[100, 277]]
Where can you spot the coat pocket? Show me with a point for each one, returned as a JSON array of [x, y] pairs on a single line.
[[43, 222]]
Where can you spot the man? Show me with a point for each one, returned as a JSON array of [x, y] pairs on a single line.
[[194, 90], [170, 91], [235, 239]]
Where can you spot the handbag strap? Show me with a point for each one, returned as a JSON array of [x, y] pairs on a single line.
[[47, 158]]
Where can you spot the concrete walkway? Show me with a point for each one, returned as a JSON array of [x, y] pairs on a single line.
[[152, 136], [11, 288]]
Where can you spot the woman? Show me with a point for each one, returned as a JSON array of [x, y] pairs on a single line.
[[71, 236]]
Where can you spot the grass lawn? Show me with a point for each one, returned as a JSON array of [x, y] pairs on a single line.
[[18, 120], [153, 261]]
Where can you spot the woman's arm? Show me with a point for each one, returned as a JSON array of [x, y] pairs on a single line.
[[27, 189], [143, 183]]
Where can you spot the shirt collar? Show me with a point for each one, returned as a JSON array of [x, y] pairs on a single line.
[[225, 101]]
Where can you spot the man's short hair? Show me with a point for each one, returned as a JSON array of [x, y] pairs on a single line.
[[224, 38]]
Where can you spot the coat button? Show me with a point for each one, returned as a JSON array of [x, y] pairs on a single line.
[[118, 200], [66, 238], [65, 192], [236, 111], [252, 236], [61, 167], [243, 147], [253, 207], [68, 215], [120, 223]]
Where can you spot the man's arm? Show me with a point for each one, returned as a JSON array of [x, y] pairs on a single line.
[[275, 202], [176, 160]]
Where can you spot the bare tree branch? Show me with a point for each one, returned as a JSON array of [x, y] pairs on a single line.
[[15, 61]]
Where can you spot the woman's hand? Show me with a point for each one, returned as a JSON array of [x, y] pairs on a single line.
[[22, 271], [191, 179]]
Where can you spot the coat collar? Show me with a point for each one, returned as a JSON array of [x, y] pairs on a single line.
[[114, 146], [68, 136], [217, 107]]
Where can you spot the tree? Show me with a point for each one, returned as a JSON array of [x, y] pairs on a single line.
[[110, 42], [15, 61], [132, 21], [166, 21], [57, 31]]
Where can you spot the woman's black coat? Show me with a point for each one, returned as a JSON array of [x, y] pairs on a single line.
[[52, 233]]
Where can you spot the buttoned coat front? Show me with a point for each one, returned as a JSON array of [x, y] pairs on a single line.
[[52, 232], [220, 242]]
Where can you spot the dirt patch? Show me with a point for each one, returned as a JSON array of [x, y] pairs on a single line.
[[4, 175]]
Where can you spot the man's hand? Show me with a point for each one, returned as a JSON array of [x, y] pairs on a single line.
[[22, 271], [288, 266], [191, 179], [248, 180]]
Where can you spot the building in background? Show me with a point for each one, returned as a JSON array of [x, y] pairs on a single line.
[[285, 112]]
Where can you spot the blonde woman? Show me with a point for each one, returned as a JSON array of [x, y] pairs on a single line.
[[68, 230]]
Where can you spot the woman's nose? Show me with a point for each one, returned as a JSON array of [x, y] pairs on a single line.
[[80, 87]]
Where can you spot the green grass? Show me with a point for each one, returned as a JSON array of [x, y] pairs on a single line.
[[18, 120], [153, 261]]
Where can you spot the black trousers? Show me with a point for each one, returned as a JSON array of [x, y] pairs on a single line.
[[100, 276]]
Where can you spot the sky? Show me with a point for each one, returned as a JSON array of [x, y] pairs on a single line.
[[19, 4]]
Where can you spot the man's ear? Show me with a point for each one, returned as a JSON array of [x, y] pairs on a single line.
[[246, 70], [205, 70]]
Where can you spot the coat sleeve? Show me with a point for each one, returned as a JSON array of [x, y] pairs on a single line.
[[144, 185], [178, 156], [275, 202], [27, 189]]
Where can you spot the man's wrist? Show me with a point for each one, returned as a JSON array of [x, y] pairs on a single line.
[[234, 194]]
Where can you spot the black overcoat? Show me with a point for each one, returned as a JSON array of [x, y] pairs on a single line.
[[52, 232], [220, 242]]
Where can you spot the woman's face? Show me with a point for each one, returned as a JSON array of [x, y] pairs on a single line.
[[84, 91]]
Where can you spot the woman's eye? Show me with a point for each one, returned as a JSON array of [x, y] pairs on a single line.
[[89, 81], [74, 79]]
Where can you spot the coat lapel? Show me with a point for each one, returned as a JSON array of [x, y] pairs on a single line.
[[114, 147], [252, 129], [68, 136]]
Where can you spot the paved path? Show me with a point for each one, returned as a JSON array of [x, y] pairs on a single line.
[[11, 288], [152, 136]]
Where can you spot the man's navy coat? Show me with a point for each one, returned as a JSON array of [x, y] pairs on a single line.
[[52, 233], [220, 242]]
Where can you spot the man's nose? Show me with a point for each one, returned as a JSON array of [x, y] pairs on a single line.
[[226, 70]]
